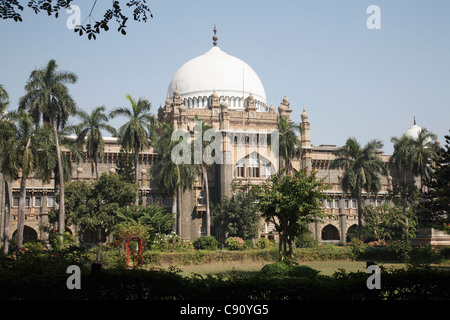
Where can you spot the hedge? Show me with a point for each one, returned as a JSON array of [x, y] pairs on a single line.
[[139, 284]]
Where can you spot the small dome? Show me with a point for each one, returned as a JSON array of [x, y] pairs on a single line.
[[79, 169], [304, 115], [182, 108], [285, 101], [214, 94], [413, 132], [272, 108], [282, 108], [143, 171], [224, 105]]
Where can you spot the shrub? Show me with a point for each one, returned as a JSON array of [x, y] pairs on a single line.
[[248, 245], [423, 255], [170, 242], [286, 269], [275, 269], [264, 243], [206, 243], [234, 243], [302, 271]]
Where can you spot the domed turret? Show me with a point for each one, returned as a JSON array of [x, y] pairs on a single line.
[[218, 71]]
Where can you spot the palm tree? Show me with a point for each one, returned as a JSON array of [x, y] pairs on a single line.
[[423, 152], [18, 161], [47, 97], [173, 178], [401, 162], [7, 130], [89, 131], [289, 144], [203, 169], [136, 133], [362, 168]]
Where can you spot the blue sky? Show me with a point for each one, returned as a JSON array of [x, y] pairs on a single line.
[[352, 81]]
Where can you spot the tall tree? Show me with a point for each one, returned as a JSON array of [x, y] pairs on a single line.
[[136, 133], [90, 133], [173, 178], [434, 210], [289, 144], [203, 168], [18, 161], [363, 167], [423, 152], [404, 189], [47, 97], [7, 130]]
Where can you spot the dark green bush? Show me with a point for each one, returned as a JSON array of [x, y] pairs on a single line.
[[444, 253], [206, 243], [424, 255], [275, 269], [287, 269], [393, 251]]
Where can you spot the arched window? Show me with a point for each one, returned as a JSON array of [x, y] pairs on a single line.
[[253, 165], [239, 169]]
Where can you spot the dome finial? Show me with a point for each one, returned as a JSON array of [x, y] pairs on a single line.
[[215, 38], [414, 120]]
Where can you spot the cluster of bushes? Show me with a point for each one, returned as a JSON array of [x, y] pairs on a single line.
[[399, 251], [275, 281], [173, 243]]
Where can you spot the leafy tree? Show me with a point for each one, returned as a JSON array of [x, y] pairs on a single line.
[[289, 144], [363, 167], [136, 133], [386, 222], [10, 10], [47, 97], [291, 202], [90, 132], [155, 218], [435, 207], [237, 216], [94, 206]]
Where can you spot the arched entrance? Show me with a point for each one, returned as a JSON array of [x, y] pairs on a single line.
[[352, 233], [29, 234], [330, 233]]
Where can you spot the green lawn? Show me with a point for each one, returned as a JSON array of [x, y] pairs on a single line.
[[252, 267]]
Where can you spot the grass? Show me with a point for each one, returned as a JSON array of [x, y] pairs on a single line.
[[250, 268]]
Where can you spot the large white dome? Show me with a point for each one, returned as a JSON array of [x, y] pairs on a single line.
[[231, 78]]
